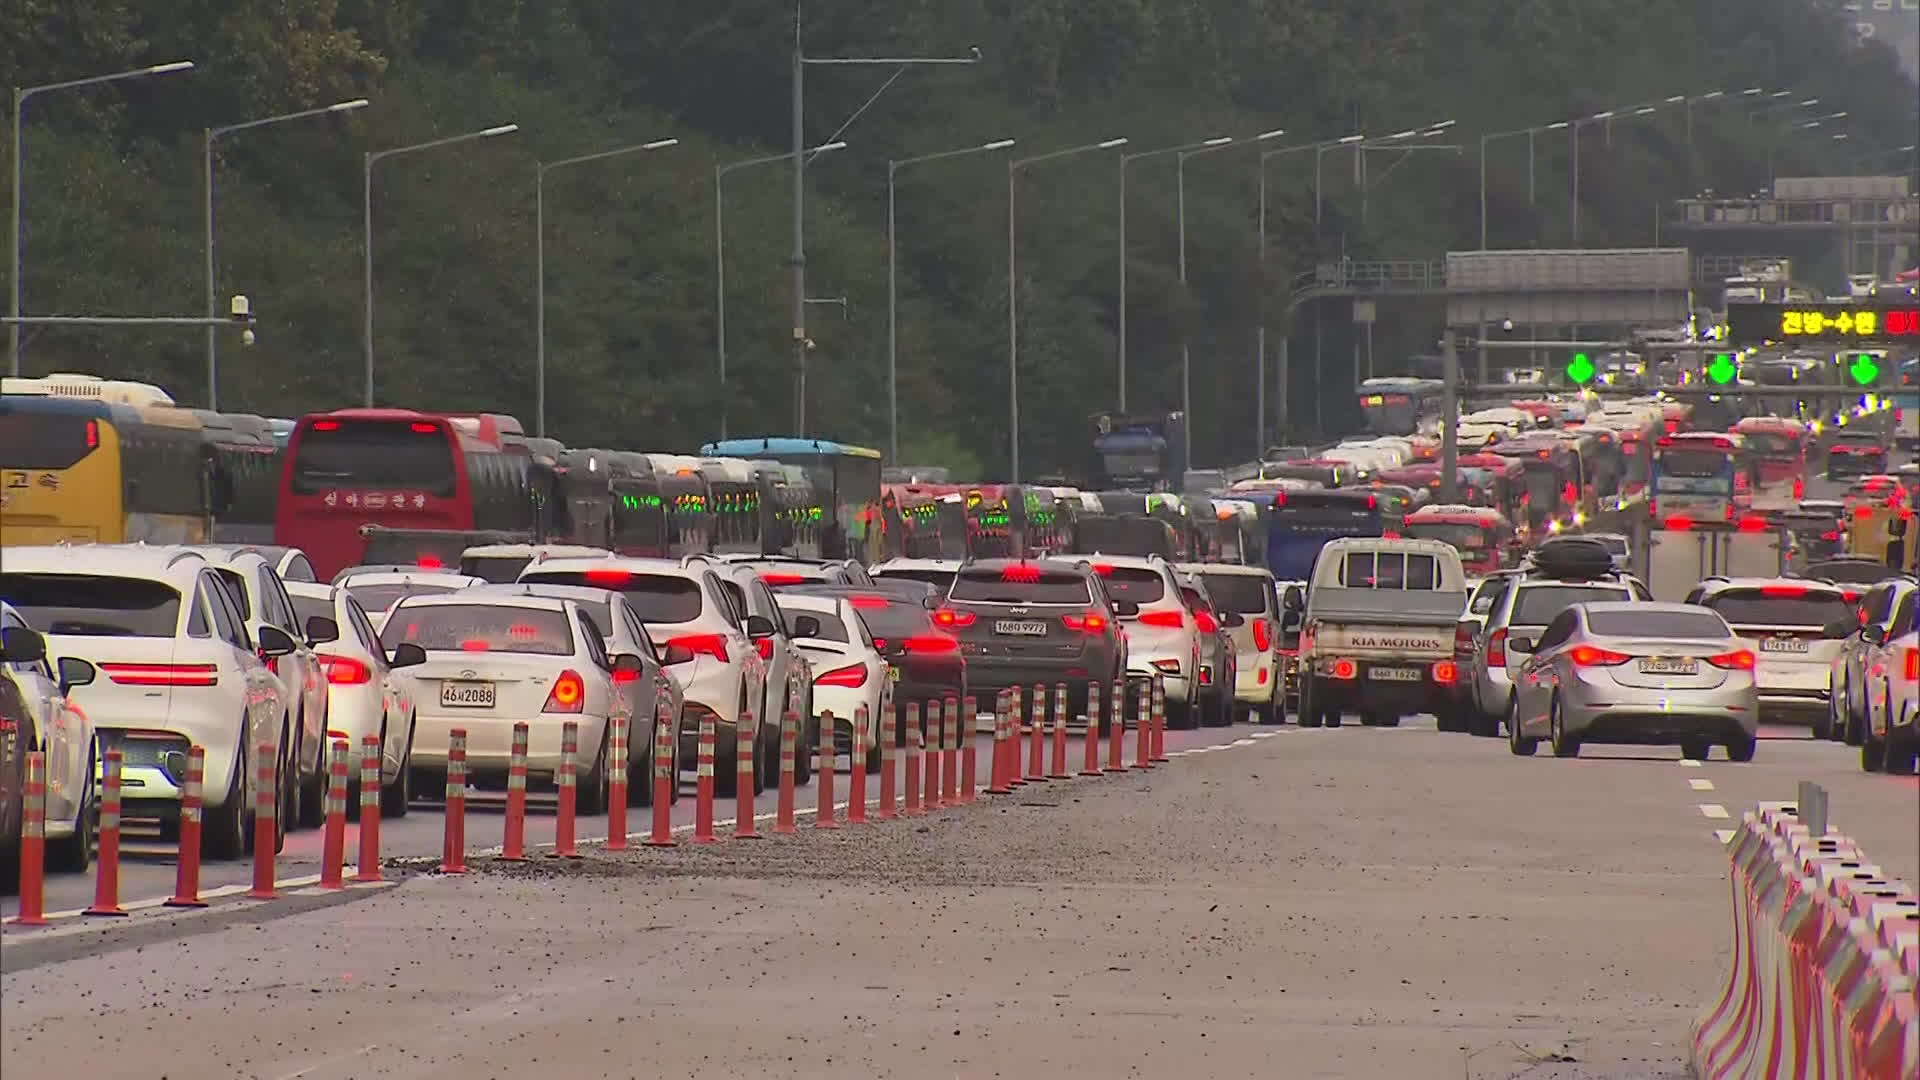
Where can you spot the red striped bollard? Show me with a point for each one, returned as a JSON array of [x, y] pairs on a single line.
[[744, 733], [1016, 734], [703, 781], [1037, 746], [186, 874], [370, 753], [33, 843], [912, 808], [666, 777], [1117, 726], [889, 743], [1143, 726], [266, 808], [857, 769], [789, 766], [1059, 770], [1091, 765], [930, 751], [1159, 720], [950, 752], [824, 817], [618, 728], [333, 841], [568, 781], [513, 847], [453, 855], [106, 881], [997, 773], [969, 776]]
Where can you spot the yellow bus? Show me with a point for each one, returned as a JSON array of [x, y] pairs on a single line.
[[83, 470]]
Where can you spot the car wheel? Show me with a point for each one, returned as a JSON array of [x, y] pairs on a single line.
[[1332, 717], [1219, 712], [1824, 723], [1309, 709], [74, 854], [224, 831], [1695, 749], [1386, 720], [1564, 745], [395, 796], [1482, 724], [1742, 748], [1517, 744], [1856, 727], [590, 795], [288, 779], [310, 796], [1902, 752]]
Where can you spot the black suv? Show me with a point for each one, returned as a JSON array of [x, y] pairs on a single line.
[[1023, 622], [924, 657]]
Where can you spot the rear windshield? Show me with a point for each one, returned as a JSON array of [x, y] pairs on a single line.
[[939, 579], [1771, 444], [498, 569], [1389, 570], [1787, 605], [93, 606], [36, 440], [306, 607], [1657, 624], [379, 454], [481, 628], [1140, 586], [1694, 463], [890, 618], [1538, 604], [1242, 594], [656, 598], [1011, 587], [382, 597], [1460, 535], [822, 625]]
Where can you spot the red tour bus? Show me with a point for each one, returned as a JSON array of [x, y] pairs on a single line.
[[400, 469], [1483, 536], [1779, 449]]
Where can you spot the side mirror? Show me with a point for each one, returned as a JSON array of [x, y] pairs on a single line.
[[675, 654], [21, 645], [75, 672], [1520, 644], [1126, 609], [759, 626], [1293, 599], [321, 630], [806, 626], [1232, 619], [407, 654], [275, 642], [1874, 635], [627, 665]]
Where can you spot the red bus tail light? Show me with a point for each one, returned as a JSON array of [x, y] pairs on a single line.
[[162, 674], [344, 670], [954, 618], [714, 645], [569, 693], [1344, 668], [852, 676], [1737, 660]]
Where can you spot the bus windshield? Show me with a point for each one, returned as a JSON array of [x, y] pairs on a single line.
[[1390, 414], [36, 440], [376, 454]]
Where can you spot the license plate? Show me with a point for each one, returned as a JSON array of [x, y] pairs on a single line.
[[1669, 665], [466, 695], [1020, 627], [1394, 674], [1784, 645], [893, 673]]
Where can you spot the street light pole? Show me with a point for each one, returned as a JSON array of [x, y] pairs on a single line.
[[1260, 333], [893, 301], [540, 170], [366, 212], [1013, 291], [20, 96], [206, 149], [720, 261]]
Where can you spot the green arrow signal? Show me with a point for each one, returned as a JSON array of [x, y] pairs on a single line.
[[1580, 369], [1864, 369], [1722, 370]]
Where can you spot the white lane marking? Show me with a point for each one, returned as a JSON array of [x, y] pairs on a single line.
[[1698, 784], [1265, 734], [1714, 811], [1725, 836], [1689, 763], [1242, 742]]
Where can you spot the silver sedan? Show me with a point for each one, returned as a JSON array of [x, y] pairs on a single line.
[[1636, 673]]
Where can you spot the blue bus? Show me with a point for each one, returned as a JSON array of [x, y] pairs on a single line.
[[846, 481], [1299, 524]]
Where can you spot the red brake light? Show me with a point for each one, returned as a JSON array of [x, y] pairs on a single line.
[[1092, 622], [1261, 637], [93, 434], [162, 674], [344, 670], [1753, 524], [782, 579], [326, 425], [1862, 511], [1737, 660], [429, 562], [714, 645], [1020, 573], [1206, 622], [1173, 619], [952, 617], [1497, 648], [1589, 656], [1345, 669], [1373, 502], [1784, 591], [1103, 569], [1911, 671], [853, 675], [523, 632], [869, 603], [1446, 673], [1279, 499], [931, 643], [1849, 595], [421, 427], [1665, 440], [608, 579], [1679, 523], [474, 645], [765, 645], [621, 676], [567, 695]]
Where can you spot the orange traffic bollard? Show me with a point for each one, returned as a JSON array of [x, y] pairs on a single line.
[[513, 847], [950, 752], [743, 777], [1117, 727], [333, 841], [186, 878], [106, 882], [889, 744], [703, 782], [1159, 720], [823, 774], [789, 766], [857, 769], [370, 809], [33, 843], [930, 750], [1059, 770], [1037, 747], [666, 777], [969, 777], [568, 780], [1143, 726], [617, 779], [266, 808], [912, 808], [453, 856], [1090, 766]]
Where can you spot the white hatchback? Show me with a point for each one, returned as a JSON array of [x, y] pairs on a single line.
[[60, 730], [849, 673], [367, 693], [378, 590]]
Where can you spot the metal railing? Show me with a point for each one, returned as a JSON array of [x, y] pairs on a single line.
[[1383, 275]]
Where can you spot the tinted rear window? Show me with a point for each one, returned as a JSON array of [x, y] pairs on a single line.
[[828, 626], [1139, 586], [889, 618], [939, 579], [995, 587], [36, 440], [306, 607], [1657, 624], [481, 628], [1538, 604], [656, 598], [93, 606], [1389, 570], [1769, 443], [1242, 594], [1778, 607], [377, 598], [1694, 463], [379, 454], [498, 569]]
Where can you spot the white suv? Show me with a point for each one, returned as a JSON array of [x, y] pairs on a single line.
[[1892, 738], [1787, 621], [59, 729], [178, 670], [717, 662], [1163, 637], [789, 680]]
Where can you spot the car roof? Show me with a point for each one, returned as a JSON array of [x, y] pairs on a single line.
[[581, 593], [903, 590], [543, 603], [631, 564], [551, 551], [410, 577], [312, 590], [813, 602], [914, 564], [232, 556], [1713, 585], [158, 562], [1068, 564], [1223, 568], [1639, 606]]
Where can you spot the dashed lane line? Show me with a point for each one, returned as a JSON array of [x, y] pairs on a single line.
[[1725, 836], [1714, 811], [1700, 785], [1689, 763]]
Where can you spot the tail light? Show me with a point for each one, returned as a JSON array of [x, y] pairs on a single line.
[[567, 695], [931, 643], [624, 677], [1799, 488], [1463, 638], [1171, 619], [1679, 523], [1262, 637], [765, 645], [430, 562], [162, 674], [1737, 660], [1344, 668], [1446, 673], [1170, 667], [1206, 623], [1592, 656], [272, 662], [1911, 671], [1753, 524], [852, 676], [777, 579], [344, 670], [954, 618], [714, 645], [1091, 623], [1497, 648]]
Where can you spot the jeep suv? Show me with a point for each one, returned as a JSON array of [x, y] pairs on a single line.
[[1023, 622]]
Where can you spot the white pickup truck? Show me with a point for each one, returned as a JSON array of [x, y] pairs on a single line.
[[1378, 628]]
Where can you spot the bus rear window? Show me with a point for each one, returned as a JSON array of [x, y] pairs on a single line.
[[89, 606], [36, 440], [373, 454], [1693, 463]]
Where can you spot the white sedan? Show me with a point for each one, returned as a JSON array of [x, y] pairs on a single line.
[[367, 692], [60, 729], [849, 672], [493, 661], [378, 590]]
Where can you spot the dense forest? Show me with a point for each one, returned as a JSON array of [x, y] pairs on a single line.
[[113, 190]]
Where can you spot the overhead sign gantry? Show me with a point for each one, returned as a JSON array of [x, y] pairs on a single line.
[[1841, 326]]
